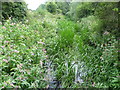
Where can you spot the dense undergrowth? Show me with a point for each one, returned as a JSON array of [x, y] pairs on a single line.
[[22, 54], [26, 48]]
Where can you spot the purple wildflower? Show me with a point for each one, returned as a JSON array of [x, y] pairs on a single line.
[[39, 42], [16, 51], [6, 41], [2, 46], [44, 50], [11, 85], [5, 60], [4, 27]]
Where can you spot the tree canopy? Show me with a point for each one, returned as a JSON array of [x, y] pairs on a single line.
[[14, 10]]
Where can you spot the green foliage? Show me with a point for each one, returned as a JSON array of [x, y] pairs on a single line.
[[14, 10], [21, 56], [84, 44], [79, 10], [63, 6], [66, 33], [102, 65], [59, 11], [108, 14], [71, 14], [42, 6], [41, 10], [90, 29], [51, 7], [76, 54], [84, 10]]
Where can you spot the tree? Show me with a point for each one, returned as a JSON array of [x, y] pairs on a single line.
[[84, 10], [51, 7], [63, 6], [108, 13], [14, 10], [79, 10]]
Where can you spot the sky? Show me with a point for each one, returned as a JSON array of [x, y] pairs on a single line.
[[34, 4]]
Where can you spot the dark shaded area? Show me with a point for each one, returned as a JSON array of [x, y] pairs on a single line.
[[17, 11]]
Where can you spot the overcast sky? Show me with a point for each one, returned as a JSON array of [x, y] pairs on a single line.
[[34, 4]]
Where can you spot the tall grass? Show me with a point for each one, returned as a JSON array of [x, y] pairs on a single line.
[[83, 42], [77, 53]]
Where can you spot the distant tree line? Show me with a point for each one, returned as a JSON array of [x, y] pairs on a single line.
[[107, 12]]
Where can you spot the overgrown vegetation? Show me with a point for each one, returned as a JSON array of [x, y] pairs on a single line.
[[77, 47], [17, 11]]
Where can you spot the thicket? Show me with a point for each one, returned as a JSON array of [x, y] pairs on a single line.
[[78, 48], [17, 11], [106, 12], [51, 7]]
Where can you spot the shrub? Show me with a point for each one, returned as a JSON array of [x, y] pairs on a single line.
[[90, 29], [51, 7], [22, 56], [14, 10]]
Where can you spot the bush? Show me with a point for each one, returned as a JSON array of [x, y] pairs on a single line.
[[58, 51], [83, 10], [66, 33], [51, 7], [22, 56], [108, 14], [90, 29], [14, 10]]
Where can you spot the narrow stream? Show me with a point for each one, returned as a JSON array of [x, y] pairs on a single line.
[[79, 70], [52, 81]]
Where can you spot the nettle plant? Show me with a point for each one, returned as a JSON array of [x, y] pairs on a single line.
[[22, 55]]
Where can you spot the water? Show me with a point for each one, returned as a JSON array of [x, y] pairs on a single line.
[[79, 70], [51, 79]]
